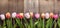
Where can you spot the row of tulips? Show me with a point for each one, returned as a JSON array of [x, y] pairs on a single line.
[[30, 20], [28, 15]]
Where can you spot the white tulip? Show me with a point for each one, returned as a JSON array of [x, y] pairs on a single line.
[[13, 14], [47, 15], [27, 15], [2, 17]]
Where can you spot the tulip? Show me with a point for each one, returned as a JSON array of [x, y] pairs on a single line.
[[47, 15], [55, 16], [37, 15], [31, 14], [13, 20], [7, 15], [51, 15], [13, 14], [8, 21], [21, 15], [27, 15], [17, 15], [43, 15], [2, 17]]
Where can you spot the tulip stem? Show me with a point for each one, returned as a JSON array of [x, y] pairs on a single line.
[[39, 23], [51, 22], [14, 25], [9, 23], [4, 24], [43, 23], [31, 23], [26, 23], [55, 24], [19, 23]]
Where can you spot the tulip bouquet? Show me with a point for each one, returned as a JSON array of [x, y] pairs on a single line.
[[30, 20]]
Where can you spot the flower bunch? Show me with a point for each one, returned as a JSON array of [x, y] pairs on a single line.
[[40, 20]]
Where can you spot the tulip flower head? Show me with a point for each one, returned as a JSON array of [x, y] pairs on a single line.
[[21, 15], [27, 15], [43, 15], [46, 15], [8, 15], [37, 15], [51, 15], [13, 14], [2, 17], [55, 16], [31, 14], [17, 15]]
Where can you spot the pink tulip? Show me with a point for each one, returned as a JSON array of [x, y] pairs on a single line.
[[17, 15], [37, 15], [55, 16]]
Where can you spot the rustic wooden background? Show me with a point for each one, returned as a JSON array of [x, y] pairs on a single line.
[[11, 6], [18, 6]]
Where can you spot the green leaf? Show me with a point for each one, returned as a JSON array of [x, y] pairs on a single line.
[[36, 23], [49, 23], [31, 23], [58, 22], [19, 23], [9, 23]]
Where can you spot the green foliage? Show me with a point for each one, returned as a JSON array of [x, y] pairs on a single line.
[[24, 23]]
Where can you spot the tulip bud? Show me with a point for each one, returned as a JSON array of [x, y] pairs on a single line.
[[27, 15], [43, 15], [31, 14], [2, 17], [37, 15], [7, 15], [51, 15], [13, 14], [47, 15], [55, 16], [21, 15]]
